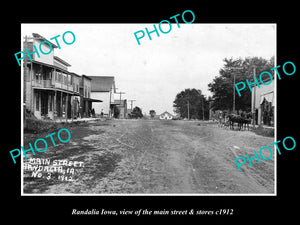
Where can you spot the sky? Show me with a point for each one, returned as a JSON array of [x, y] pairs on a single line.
[[153, 72]]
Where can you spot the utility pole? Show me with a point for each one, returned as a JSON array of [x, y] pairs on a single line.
[[188, 108], [253, 106], [131, 103], [120, 95], [202, 100], [233, 94], [124, 111], [209, 109], [236, 68], [109, 110]]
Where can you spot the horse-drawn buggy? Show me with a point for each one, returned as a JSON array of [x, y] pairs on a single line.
[[242, 120]]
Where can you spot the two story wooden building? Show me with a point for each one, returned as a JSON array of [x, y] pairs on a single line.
[[50, 90], [103, 88]]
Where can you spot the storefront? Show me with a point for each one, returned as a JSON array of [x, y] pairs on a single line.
[[263, 105], [267, 109]]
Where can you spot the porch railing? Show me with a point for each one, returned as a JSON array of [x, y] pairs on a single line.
[[51, 84]]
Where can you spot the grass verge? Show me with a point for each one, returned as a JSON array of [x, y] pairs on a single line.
[[267, 132]]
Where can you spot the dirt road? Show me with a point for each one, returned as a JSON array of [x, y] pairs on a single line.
[[151, 156]]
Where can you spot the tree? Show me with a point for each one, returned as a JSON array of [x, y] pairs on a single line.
[[190, 103], [152, 113], [242, 69], [136, 113]]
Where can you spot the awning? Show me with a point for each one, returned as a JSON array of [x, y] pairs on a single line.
[[268, 97], [42, 88], [92, 100], [56, 89]]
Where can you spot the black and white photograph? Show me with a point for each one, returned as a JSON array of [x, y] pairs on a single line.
[[150, 113], [171, 108]]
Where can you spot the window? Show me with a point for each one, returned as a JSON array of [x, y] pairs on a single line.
[[59, 77], [267, 116], [38, 77], [69, 79], [38, 73], [64, 79]]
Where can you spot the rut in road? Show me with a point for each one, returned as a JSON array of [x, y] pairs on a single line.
[[171, 172]]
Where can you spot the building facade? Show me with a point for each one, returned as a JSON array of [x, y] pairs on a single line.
[[165, 116], [103, 88], [263, 104], [75, 99], [50, 90], [122, 107], [48, 86], [86, 107]]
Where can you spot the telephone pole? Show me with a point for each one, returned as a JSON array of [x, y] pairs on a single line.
[[120, 95], [131, 103], [188, 108], [253, 105], [236, 68], [200, 93]]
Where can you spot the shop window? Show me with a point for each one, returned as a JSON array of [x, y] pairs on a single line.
[[267, 113]]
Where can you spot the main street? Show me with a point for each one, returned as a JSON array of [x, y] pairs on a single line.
[[156, 157]]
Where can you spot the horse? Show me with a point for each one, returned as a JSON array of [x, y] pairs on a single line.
[[242, 120], [235, 119], [246, 120]]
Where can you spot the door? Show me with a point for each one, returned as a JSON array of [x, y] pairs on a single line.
[[44, 103]]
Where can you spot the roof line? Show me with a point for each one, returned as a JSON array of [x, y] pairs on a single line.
[[38, 36], [61, 61]]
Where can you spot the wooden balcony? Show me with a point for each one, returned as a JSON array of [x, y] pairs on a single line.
[[42, 83], [52, 84]]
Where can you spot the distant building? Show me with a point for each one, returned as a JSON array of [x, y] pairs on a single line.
[[85, 97], [103, 88], [166, 116], [122, 106]]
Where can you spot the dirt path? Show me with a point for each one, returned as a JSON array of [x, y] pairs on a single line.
[[144, 156]]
